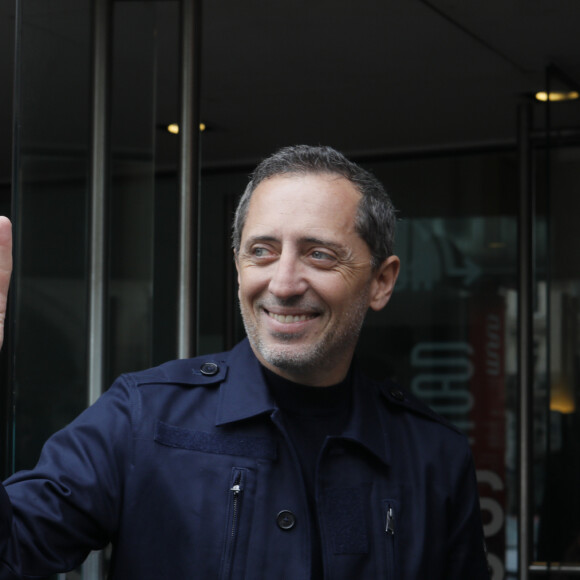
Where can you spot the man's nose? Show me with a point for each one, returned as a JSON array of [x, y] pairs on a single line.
[[288, 277]]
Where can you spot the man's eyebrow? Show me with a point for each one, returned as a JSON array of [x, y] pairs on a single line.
[[256, 239], [336, 246]]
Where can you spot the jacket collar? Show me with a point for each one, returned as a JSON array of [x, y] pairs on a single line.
[[366, 425], [244, 394]]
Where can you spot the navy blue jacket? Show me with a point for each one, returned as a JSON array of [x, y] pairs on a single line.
[[187, 469]]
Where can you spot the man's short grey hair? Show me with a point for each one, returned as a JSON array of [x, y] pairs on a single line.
[[376, 215]]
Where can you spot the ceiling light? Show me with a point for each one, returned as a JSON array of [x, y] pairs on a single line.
[[174, 128], [557, 96]]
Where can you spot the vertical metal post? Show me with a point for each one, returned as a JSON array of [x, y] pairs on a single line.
[[188, 178], [92, 568], [548, 122], [96, 327], [525, 337]]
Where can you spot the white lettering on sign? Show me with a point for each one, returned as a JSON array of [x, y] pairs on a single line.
[[493, 345], [445, 388], [489, 505], [444, 381], [495, 519]]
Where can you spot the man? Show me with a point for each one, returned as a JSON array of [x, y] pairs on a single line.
[[278, 459]]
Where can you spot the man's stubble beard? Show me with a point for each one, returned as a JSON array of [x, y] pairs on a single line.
[[287, 354]]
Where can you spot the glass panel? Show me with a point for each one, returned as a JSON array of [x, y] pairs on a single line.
[[557, 535], [51, 214], [50, 220], [144, 158], [219, 321], [132, 186]]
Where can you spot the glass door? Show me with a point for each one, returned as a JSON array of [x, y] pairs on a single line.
[[56, 183], [555, 438], [50, 214], [95, 208]]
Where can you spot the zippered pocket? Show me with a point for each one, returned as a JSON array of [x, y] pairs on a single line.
[[235, 500], [390, 516]]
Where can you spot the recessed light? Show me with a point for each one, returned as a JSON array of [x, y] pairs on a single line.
[[174, 128], [557, 96]]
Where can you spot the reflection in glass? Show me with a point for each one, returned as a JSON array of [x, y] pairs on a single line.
[[50, 221], [557, 453]]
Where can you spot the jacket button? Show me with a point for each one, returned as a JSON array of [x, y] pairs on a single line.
[[209, 369], [286, 520], [396, 394]]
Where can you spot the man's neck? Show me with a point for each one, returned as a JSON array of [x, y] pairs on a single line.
[[310, 377]]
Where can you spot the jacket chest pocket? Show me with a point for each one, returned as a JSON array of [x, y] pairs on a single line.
[[390, 515], [239, 499]]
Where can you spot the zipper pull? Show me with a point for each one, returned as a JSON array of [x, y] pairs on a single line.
[[237, 486], [390, 527]]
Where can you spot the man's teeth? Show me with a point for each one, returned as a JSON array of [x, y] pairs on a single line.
[[287, 318]]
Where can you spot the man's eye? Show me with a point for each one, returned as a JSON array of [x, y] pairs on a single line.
[[260, 252], [318, 255]]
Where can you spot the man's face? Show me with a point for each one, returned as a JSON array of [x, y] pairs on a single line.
[[305, 276]]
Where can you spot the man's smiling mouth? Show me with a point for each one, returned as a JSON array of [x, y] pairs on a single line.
[[289, 318]]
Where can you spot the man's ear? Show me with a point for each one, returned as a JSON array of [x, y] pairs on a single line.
[[383, 283]]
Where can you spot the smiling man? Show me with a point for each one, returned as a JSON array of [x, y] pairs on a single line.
[[278, 459]]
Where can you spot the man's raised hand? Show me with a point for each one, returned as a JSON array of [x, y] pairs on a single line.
[[5, 268]]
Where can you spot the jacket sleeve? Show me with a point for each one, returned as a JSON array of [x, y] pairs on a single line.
[[466, 545], [68, 505]]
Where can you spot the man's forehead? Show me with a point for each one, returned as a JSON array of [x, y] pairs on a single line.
[[316, 185], [305, 194]]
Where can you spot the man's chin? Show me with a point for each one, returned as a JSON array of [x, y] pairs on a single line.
[[288, 357]]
